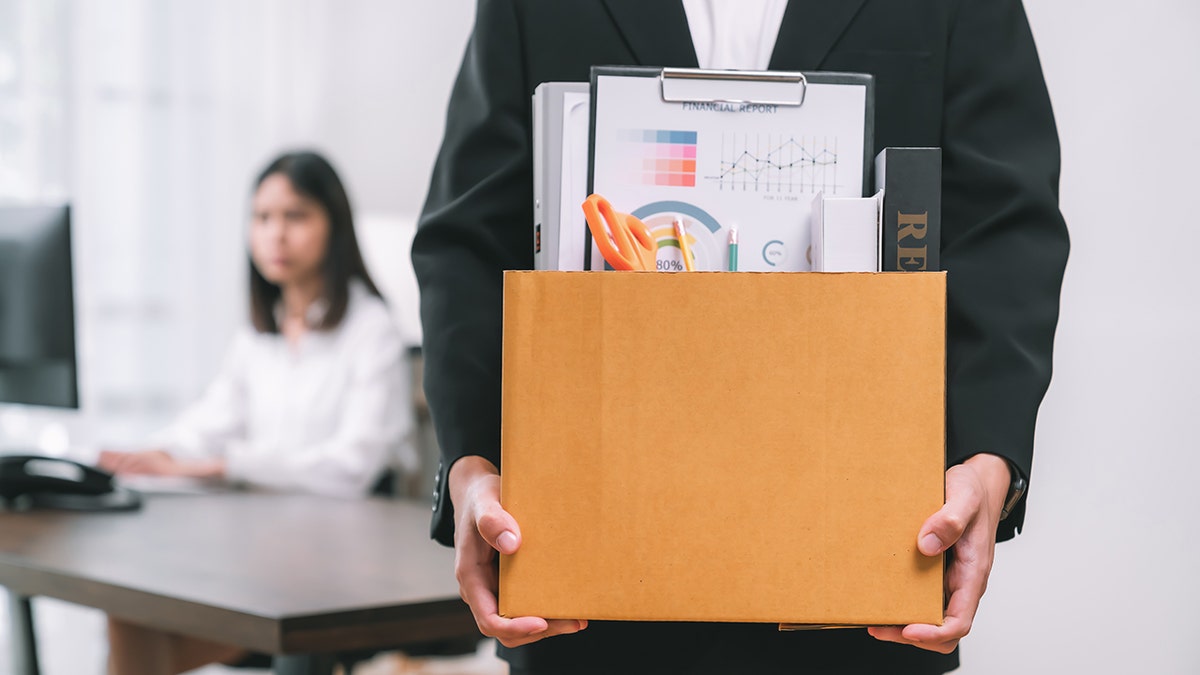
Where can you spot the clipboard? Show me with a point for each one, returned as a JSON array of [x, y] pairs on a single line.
[[726, 151]]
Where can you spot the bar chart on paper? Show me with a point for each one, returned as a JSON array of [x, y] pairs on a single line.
[[662, 156], [758, 169]]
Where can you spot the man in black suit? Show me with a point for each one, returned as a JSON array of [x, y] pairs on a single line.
[[959, 74]]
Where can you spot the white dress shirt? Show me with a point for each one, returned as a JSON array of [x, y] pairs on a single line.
[[734, 34], [325, 415]]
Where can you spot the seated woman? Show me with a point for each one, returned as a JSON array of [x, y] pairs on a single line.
[[311, 398]]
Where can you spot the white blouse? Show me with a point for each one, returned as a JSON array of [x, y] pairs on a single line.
[[734, 34], [325, 416]]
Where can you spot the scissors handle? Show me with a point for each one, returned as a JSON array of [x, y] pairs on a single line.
[[625, 242]]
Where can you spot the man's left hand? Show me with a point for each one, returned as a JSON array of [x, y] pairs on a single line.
[[966, 525]]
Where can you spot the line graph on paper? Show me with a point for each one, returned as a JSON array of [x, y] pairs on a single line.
[[764, 162]]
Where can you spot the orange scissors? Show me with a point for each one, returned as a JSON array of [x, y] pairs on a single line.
[[634, 248]]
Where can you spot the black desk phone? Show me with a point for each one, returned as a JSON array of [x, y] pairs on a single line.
[[33, 481]]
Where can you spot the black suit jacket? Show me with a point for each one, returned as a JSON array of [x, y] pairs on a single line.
[[959, 74]]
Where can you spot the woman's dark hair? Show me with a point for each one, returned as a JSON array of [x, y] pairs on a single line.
[[312, 176]]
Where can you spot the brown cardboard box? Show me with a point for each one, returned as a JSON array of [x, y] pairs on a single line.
[[723, 447]]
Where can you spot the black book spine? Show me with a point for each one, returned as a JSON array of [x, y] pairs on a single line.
[[911, 224]]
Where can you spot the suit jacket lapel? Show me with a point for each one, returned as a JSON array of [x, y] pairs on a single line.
[[809, 30], [656, 31]]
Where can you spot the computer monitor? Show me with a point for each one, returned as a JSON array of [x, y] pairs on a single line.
[[37, 307]]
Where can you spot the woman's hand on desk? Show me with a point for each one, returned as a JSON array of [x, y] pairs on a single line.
[[159, 463], [481, 528]]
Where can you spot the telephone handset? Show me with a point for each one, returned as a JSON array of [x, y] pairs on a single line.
[[32, 481]]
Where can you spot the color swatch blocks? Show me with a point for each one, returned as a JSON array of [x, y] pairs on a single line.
[[666, 157]]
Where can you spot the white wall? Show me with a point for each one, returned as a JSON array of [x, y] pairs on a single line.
[[391, 64], [1105, 577]]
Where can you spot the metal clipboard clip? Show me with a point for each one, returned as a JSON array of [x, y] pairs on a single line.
[[691, 85]]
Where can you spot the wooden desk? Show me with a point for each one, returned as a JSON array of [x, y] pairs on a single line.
[[281, 574]]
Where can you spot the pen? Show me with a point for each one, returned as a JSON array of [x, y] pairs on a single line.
[[733, 249], [683, 245]]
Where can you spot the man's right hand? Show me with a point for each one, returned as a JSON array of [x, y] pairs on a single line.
[[481, 528]]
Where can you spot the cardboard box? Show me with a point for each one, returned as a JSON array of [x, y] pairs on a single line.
[[757, 447]]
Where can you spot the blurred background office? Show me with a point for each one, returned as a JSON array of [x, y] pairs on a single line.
[[151, 117]]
